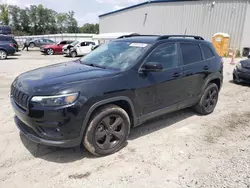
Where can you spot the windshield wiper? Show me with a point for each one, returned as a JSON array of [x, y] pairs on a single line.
[[94, 65]]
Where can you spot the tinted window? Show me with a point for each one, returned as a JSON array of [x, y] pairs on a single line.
[[207, 51], [83, 44], [4, 38], [191, 53], [63, 42], [90, 43], [166, 55]]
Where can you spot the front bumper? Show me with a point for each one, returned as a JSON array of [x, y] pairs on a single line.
[[31, 135], [242, 75], [54, 127], [43, 50], [66, 52]]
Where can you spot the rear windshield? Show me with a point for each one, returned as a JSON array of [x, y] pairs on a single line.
[[5, 38]]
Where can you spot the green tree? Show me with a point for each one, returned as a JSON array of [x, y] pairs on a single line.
[[90, 28], [61, 20], [14, 12], [25, 21], [33, 19], [4, 14], [71, 23]]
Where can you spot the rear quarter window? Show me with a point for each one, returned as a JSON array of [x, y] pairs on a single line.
[[208, 53], [191, 53]]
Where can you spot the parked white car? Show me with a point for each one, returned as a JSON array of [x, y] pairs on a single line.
[[78, 48], [106, 37]]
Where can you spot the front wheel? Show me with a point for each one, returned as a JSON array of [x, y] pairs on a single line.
[[107, 131], [32, 45], [208, 100], [50, 51], [73, 54], [3, 54]]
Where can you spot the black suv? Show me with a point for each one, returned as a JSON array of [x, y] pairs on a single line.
[[8, 46], [96, 99]]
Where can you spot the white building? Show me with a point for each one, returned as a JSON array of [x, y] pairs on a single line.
[[199, 17]]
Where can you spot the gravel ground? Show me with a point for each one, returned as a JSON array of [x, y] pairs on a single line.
[[181, 149]]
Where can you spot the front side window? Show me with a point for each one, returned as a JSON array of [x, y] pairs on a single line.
[[166, 55], [115, 55], [191, 53]]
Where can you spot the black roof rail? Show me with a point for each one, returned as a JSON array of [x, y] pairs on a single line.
[[183, 36], [136, 35], [126, 36]]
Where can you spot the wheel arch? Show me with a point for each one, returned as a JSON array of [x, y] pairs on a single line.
[[122, 101], [214, 78]]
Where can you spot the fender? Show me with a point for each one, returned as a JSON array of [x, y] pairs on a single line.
[[211, 77], [106, 101]]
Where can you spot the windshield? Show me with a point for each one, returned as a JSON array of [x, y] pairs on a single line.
[[115, 55], [74, 43]]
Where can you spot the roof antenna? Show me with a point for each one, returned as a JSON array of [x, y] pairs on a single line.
[[185, 32]]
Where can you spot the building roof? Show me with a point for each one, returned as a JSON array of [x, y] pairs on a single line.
[[144, 3]]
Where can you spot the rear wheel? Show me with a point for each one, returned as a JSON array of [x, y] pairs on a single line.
[[50, 51], [107, 131], [208, 100], [73, 54], [32, 45], [235, 79], [3, 54]]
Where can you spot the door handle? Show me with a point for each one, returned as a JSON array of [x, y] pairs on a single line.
[[206, 67], [175, 75]]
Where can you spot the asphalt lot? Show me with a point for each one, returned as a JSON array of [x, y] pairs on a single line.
[[179, 150]]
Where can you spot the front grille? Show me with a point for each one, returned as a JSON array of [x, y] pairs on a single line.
[[19, 97]]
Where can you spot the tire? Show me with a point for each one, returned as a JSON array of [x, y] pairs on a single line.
[[32, 45], [50, 51], [235, 79], [3, 55], [73, 54], [99, 138], [208, 100]]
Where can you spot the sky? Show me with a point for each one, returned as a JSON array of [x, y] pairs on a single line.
[[86, 11]]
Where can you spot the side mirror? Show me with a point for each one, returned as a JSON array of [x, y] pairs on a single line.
[[152, 67]]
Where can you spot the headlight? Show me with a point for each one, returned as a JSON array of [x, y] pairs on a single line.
[[58, 100], [238, 66]]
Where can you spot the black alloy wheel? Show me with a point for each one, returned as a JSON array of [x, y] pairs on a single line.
[[107, 130], [211, 99], [208, 100], [110, 132]]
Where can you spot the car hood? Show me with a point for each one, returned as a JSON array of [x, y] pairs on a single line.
[[58, 75]]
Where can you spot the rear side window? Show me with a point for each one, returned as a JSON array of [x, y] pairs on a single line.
[[207, 52], [63, 42], [191, 53]]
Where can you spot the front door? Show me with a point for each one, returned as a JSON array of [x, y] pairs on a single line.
[[161, 89], [84, 48]]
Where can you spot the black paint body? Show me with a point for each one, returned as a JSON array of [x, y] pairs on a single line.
[[142, 95]]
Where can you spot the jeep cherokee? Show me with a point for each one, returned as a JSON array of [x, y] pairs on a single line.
[[96, 99]]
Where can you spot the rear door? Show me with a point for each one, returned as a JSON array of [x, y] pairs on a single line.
[[195, 70]]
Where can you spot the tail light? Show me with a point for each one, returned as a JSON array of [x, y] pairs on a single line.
[[12, 45]]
